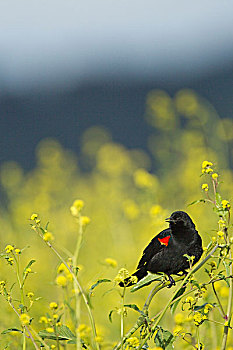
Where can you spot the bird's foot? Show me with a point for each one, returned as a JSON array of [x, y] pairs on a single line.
[[172, 282]]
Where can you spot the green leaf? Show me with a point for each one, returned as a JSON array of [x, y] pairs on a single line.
[[164, 339], [103, 280], [218, 199], [145, 282], [178, 294], [136, 308], [110, 315], [9, 330], [196, 202], [62, 333]]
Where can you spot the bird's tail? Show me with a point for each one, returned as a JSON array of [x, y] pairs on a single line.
[[130, 281]]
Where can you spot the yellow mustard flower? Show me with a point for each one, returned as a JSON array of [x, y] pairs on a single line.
[[50, 329], [43, 319], [99, 339], [207, 308], [122, 275], [155, 210], [34, 216], [48, 236], [205, 187], [17, 251], [76, 207], [206, 163], [179, 318], [224, 291], [30, 295], [62, 268], [25, 319], [61, 281], [84, 221], [111, 262], [214, 176], [220, 233], [133, 342], [177, 329], [226, 204], [53, 305], [9, 248]]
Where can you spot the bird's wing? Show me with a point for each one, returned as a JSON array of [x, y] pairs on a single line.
[[155, 246]]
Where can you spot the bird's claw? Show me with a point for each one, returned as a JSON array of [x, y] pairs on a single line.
[[172, 282]]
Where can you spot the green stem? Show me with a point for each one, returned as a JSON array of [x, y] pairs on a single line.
[[122, 316], [76, 290], [229, 305], [219, 302], [25, 327], [79, 287]]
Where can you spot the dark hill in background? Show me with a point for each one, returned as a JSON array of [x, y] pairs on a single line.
[[119, 106]]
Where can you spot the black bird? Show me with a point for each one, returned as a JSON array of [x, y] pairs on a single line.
[[165, 253]]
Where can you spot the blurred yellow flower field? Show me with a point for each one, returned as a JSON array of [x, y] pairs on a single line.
[[100, 220]]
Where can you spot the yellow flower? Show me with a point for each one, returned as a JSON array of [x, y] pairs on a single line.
[[25, 319], [84, 221], [133, 342], [10, 261], [34, 216], [206, 163], [220, 233], [30, 295], [17, 251], [111, 262], [179, 318], [209, 170], [224, 292], [226, 204], [43, 319], [131, 209], [207, 308], [61, 281], [53, 346], [48, 236], [214, 176], [99, 339], [189, 300], [200, 346], [205, 187], [28, 270], [9, 248], [49, 329], [76, 207], [53, 305], [78, 203], [62, 268], [198, 318], [177, 329], [55, 316], [143, 179], [155, 210], [122, 275]]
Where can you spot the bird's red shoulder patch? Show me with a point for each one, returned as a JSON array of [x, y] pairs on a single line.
[[164, 240]]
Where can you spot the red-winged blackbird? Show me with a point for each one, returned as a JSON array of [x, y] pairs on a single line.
[[165, 253]]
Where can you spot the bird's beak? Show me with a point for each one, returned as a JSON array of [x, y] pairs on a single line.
[[169, 220]]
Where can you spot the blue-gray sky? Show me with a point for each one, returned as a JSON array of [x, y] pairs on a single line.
[[50, 42]]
